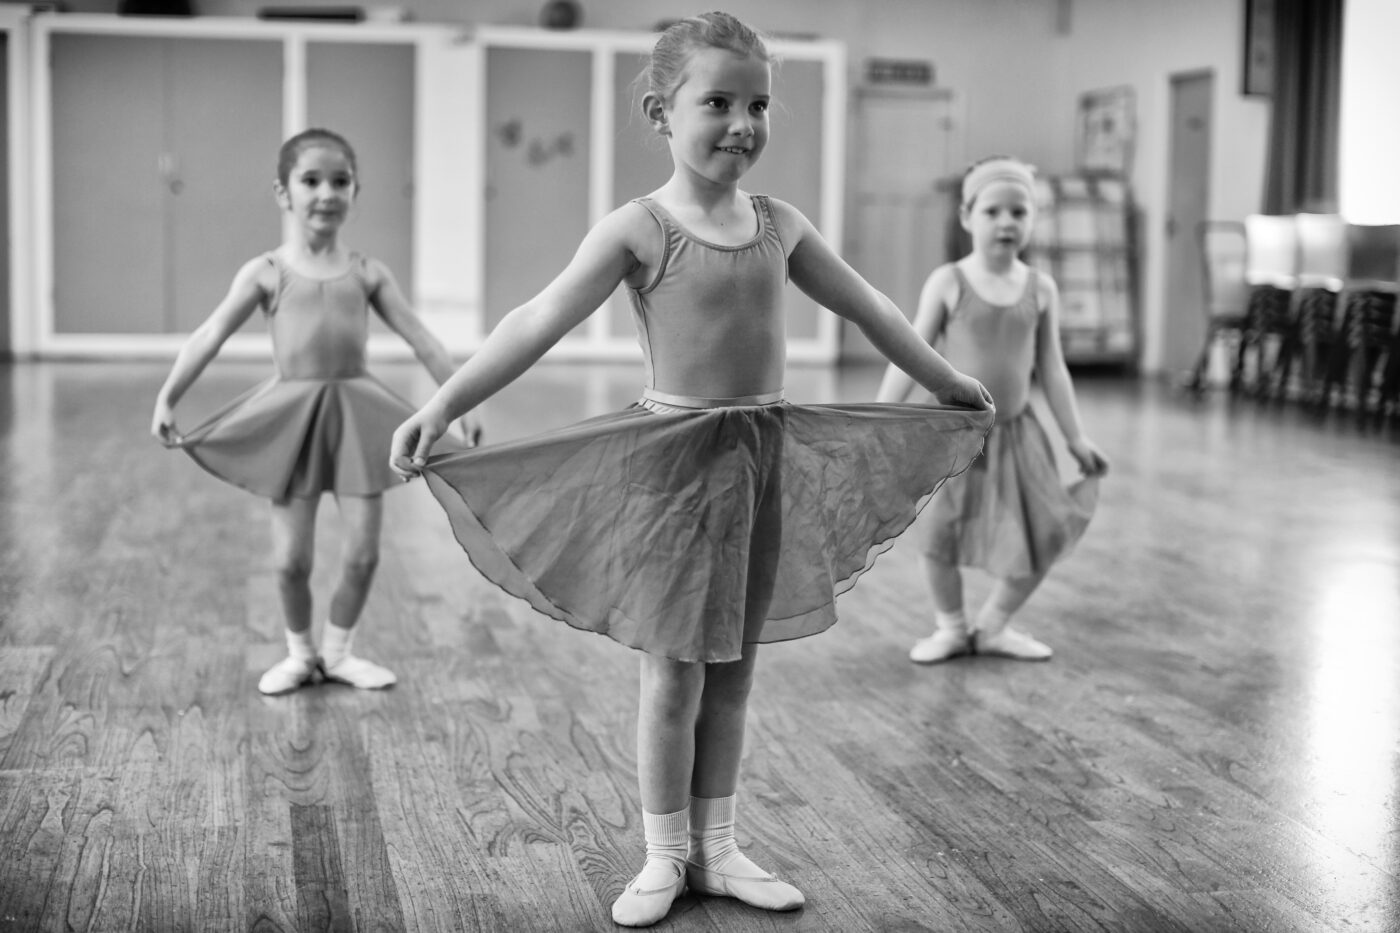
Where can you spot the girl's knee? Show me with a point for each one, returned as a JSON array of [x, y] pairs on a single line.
[[728, 684], [293, 568], [361, 565], [671, 689]]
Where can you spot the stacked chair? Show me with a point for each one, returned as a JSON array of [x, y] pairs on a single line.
[[1222, 247], [1271, 273], [1310, 301], [1364, 345], [1322, 262]]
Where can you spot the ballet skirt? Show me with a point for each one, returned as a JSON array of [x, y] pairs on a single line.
[[323, 423], [687, 527], [1011, 514]]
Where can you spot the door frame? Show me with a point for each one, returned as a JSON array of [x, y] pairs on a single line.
[[14, 23], [1176, 239]]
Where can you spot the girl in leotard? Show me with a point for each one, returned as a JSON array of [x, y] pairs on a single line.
[[1010, 515], [322, 423], [711, 516]]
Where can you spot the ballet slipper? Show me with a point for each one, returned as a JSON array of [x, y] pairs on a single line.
[[639, 906], [940, 646], [1011, 643], [357, 672], [287, 675], [763, 891]]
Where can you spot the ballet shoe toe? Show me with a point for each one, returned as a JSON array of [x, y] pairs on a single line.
[[767, 893]]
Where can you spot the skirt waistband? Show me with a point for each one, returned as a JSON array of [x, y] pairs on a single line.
[[665, 400]]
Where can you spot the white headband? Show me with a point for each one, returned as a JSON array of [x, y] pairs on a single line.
[[994, 171]]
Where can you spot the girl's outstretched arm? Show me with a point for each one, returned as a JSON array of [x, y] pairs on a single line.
[[815, 268], [928, 323], [389, 302], [602, 261], [1056, 382], [244, 295]]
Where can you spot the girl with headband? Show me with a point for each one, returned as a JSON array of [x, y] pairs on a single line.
[[997, 319]]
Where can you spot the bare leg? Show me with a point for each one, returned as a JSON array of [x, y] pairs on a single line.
[[951, 637], [995, 636], [715, 864], [666, 726], [719, 730], [362, 516], [944, 584], [293, 547]]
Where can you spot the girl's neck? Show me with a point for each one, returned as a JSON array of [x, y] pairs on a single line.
[[315, 254], [994, 265], [701, 197]]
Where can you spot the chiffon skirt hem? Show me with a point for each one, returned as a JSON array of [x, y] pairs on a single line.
[[1011, 514], [302, 437], [689, 534]]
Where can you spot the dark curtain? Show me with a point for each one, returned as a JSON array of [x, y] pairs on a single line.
[[1302, 166]]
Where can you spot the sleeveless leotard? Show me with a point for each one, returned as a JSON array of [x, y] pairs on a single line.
[[995, 344], [710, 322], [323, 423], [712, 513]]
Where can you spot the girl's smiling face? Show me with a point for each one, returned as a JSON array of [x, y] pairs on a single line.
[[717, 118], [320, 189], [1000, 218]]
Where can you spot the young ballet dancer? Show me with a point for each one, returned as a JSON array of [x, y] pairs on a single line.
[[322, 423], [1010, 515], [711, 515]]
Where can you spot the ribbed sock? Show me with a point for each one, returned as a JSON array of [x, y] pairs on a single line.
[[951, 621], [992, 619], [667, 840], [301, 645], [335, 644], [712, 842]]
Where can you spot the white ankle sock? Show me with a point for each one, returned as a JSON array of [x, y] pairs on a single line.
[[951, 621], [300, 645], [712, 843], [992, 619], [666, 838], [335, 644]]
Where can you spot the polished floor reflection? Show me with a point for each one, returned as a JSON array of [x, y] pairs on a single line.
[[1215, 747]]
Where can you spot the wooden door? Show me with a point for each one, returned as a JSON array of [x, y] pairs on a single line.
[[905, 145], [1188, 200], [537, 181], [164, 151], [109, 194], [365, 92], [224, 127]]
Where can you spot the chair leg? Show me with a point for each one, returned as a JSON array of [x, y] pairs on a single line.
[[1287, 350], [1196, 381], [1368, 359], [1337, 361], [1390, 380], [1237, 374]]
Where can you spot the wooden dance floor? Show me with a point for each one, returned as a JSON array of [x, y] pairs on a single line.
[[1215, 746]]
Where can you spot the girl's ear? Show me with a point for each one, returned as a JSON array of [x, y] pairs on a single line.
[[655, 110], [965, 217], [279, 193]]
